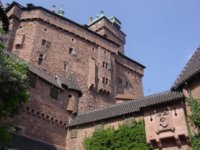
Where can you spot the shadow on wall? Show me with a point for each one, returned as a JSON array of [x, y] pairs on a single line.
[[42, 122], [25, 143]]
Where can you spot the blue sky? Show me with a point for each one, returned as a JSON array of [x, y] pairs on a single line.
[[161, 34]]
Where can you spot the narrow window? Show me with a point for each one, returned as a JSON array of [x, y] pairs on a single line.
[[129, 121], [70, 50], [106, 81], [48, 44], [44, 42], [99, 127], [73, 133], [103, 64], [65, 66], [54, 92], [103, 80], [40, 59], [120, 81], [126, 83], [106, 65]]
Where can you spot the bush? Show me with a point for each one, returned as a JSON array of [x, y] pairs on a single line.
[[124, 138]]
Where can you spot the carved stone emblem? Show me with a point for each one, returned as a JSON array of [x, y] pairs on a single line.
[[164, 120]]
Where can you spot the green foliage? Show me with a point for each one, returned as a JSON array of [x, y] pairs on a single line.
[[123, 138], [195, 142], [4, 135], [2, 32], [195, 118], [13, 88]]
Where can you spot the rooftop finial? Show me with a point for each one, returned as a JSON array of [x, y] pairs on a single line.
[[90, 19], [61, 11], [53, 8]]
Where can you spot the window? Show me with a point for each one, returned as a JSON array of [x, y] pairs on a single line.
[[73, 40], [120, 81], [32, 80], [19, 42], [99, 127], [70, 50], [129, 121], [65, 66], [46, 43], [103, 80], [54, 92], [103, 64], [106, 65], [127, 84], [73, 133], [106, 81], [40, 59]]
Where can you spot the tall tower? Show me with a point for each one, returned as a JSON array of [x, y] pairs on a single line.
[[110, 28]]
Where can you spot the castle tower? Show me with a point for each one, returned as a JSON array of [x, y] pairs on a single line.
[[110, 28], [74, 94]]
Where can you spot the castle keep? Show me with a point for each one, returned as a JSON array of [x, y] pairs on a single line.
[[80, 80]]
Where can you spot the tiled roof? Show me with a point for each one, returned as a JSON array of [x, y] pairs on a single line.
[[190, 70], [71, 83], [37, 71], [124, 108]]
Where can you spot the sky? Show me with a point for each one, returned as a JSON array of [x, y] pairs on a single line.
[[161, 34]]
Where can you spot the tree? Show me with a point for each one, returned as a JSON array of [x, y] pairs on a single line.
[[13, 88], [124, 138]]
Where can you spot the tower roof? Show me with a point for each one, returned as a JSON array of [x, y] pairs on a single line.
[[61, 11], [111, 19]]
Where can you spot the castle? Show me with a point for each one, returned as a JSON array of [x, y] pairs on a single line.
[[81, 80]]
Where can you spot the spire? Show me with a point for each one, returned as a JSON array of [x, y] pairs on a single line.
[[61, 11]]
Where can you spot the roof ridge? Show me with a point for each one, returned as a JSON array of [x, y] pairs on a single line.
[[192, 58], [125, 108]]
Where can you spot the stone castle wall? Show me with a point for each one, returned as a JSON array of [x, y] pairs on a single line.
[[59, 36]]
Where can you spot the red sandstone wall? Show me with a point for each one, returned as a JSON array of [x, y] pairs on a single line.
[[44, 117], [58, 54]]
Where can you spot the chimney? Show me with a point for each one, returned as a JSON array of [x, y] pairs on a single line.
[[90, 20], [53, 8]]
